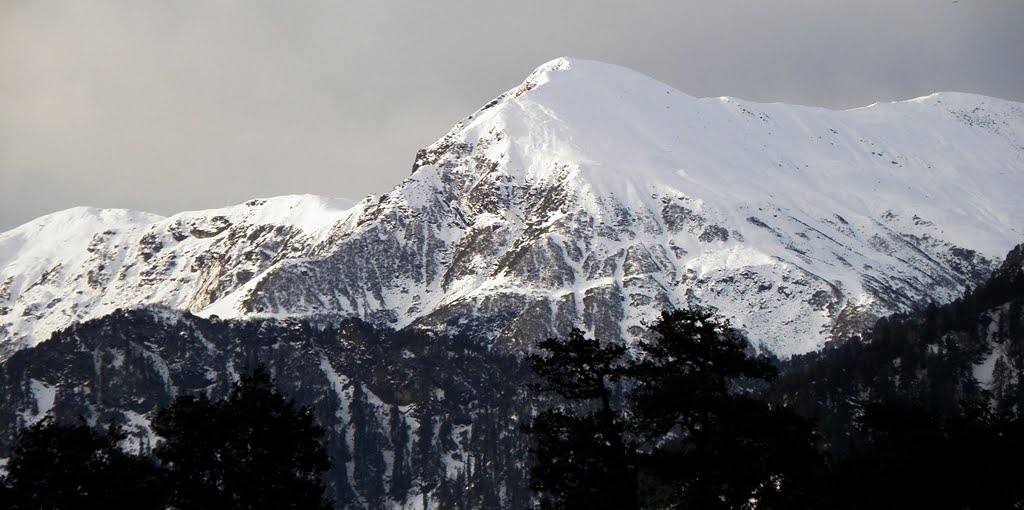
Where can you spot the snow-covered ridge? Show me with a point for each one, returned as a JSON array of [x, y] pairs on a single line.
[[593, 196], [867, 210], [84, 262], [630, 132]]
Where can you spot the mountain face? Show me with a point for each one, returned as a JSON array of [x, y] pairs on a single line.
[[588, 196], [84, 263]]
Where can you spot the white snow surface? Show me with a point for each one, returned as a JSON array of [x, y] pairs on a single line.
[[84, 262], [954, 159], [787, 218], [44, 395]]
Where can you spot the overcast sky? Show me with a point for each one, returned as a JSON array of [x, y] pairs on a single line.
[[166, 106]]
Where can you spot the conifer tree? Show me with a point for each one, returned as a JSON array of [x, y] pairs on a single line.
[[580, 458], [55, 466], [256, 449], [367, 439], [686, 434], [401, 468], [703, 440]]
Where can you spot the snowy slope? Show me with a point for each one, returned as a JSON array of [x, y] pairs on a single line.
[[83, 263], [594, 196]]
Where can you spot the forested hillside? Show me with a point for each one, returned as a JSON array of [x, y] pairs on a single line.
[[924, 412], [969, 350]]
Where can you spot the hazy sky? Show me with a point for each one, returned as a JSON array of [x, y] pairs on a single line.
[[166, 106]]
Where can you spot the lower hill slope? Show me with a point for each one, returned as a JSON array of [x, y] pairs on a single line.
[[412, 419]]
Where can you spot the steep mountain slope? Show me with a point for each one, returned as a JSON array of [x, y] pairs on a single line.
[[84, 263], [591, 195]]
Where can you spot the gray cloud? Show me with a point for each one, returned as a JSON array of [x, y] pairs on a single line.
[[167, 106]]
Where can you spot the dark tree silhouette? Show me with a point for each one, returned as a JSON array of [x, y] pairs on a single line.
[[917, 458], [56, 466], [401, 467], [579, 369], [685, 432], [366, 449], [707, 442], [256, 449], [693, 364], [580, 457]]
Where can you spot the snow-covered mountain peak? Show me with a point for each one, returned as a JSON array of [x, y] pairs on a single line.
[[613, 130], [541, 74], [313, 214], [725, 186], [593, 196]]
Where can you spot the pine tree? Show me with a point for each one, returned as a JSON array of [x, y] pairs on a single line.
[[917, 458], [401, 468], [580, 458], [686, 434], [705, 441], [55, 466], [256, 449], [367, 455]]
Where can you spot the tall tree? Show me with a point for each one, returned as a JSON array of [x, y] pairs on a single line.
[[401, 467], [705, 441], [580, 456], [256, 449], [915, 457], [686, 434], [55, 466], [367, 453]]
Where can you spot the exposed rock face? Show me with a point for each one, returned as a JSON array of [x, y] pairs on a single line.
[[590, 196]]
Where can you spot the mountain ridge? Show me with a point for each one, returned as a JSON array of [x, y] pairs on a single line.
[[593, 196]]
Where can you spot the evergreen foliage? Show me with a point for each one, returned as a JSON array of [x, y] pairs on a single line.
[[367, 451], [581, 457], [916, 458], [929, 357], [57, 466], [401, 468], [580, 461], [255, 449], [906, 421], [685, 434]]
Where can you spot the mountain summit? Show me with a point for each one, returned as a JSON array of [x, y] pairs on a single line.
[[590, 196]]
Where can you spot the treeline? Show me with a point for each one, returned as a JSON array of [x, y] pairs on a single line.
[[685, 424], [668, 428], [933, 358], [412, 418], [693, 419], [254, 449]]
